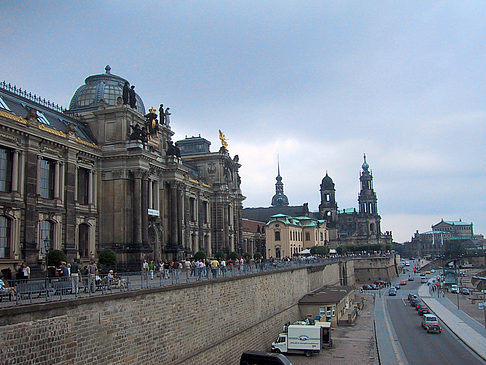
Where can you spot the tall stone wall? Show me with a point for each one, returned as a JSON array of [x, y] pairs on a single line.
[[199, 323], [368, 270]]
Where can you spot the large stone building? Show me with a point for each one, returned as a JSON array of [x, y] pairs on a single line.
[[103, 174]]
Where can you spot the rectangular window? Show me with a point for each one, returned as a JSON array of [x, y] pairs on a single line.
[[192, 208], [205, 212], [83, 185], [277, 236], [47, 179], [5, 170], [307, 236], [4, 237]]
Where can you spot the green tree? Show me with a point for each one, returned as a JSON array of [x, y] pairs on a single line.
[[107, 257], [319, 250], [257, 255], [247, 256], [218, 255], [233, 256], [200, 255], [55, 257], [341, 250]]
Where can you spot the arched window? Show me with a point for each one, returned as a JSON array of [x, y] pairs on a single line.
[[372, 227], [4, 237], [46, 236], [83, 240], [277, 235]]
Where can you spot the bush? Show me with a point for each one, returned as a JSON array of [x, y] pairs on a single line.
[[233, 256], [218, 255], [257, 255], [55, 257], [341, 250], [107, 257], [247, 256], [200, 255]]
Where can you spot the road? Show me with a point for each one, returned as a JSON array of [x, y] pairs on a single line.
[[419, 346]]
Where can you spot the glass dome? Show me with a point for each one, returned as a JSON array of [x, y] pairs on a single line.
[[103, 86]]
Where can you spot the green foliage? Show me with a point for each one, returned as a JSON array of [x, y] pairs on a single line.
[[107, 257], [200, 255], [218, 255], [341, 250], [55, 257], [454, 250], [247, 256], [319, 250], [233, 256], [257, 255]]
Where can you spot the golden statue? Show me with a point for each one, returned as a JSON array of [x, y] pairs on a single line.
[[223, 139]]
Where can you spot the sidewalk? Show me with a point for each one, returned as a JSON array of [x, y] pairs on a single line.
[[462, 325]]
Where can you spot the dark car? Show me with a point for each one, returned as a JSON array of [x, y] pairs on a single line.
[[397, 287], [411, 296], [465, 291], [411, 278], [414, 302], [263, 358], [423, 310]]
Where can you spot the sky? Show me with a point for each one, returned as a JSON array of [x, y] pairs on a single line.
[[315, 84]]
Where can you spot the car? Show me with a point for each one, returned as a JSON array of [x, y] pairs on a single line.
[[465, 291], [403, 282], [366, 287], [411, 296], [422, 274], [414, 302], [411, 278], [434, 328], [431, 323], [429, 272], [423, 310], [263, 358], [454, 289], [392, 292], [397, 287], [423, 280], [419, 305], [374, 287]]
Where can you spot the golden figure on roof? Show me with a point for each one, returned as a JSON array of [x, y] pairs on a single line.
[[223, 139]]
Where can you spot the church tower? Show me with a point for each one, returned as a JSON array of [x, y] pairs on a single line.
[[279, 199], [328, 207], [367, 200]]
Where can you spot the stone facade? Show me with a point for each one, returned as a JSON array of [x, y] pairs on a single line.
[[368, 270], [103, 175]]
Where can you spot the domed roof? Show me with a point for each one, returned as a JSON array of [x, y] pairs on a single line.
[[365, 165], [327, 182], [280, 200], [103, 86]]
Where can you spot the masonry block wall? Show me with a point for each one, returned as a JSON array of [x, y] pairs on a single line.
[[198, 323], [376, 268]]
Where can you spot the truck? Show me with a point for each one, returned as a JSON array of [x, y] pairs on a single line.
[[301, 337]]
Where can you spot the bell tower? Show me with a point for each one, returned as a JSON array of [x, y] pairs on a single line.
[[328, 207]]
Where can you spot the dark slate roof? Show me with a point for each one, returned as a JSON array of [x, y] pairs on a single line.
[[19, 103], [327, 294], [264, 214]]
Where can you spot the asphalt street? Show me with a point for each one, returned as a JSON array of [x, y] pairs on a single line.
[[419, 346]]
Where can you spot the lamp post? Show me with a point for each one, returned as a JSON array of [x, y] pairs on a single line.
[[46, 250]]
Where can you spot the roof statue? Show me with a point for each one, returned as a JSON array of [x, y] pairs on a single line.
[[223, 140]]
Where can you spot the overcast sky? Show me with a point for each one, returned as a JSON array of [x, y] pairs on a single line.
[[317, 83]]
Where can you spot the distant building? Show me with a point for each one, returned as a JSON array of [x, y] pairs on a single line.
[[253, 233], [434, 242], [286, 235]]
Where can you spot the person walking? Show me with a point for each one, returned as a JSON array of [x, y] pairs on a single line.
[[75, 278], [214, 268], [92, 271]]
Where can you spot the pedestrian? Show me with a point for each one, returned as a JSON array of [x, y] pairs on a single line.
[[92, 271], [214, 267], [75, 276], [223, 267], [151, 269]]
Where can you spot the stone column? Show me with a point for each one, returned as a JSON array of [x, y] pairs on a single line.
[[180, 213], [15, 171], [95, 187], [56, 181], [173, 214], [157, 197], [137, 205], [62, 180], [150, 196], [90, 187], [76, 169], [21, 175], [144, 207], [38, 187]]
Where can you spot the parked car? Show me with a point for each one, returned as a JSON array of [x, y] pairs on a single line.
[[423, 310], [392, 292], [431, 323], [454, 289], [420, 305], [411, 278], [414, 302], [411, 296], [397, 287], [403, 282], [465, 291]]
